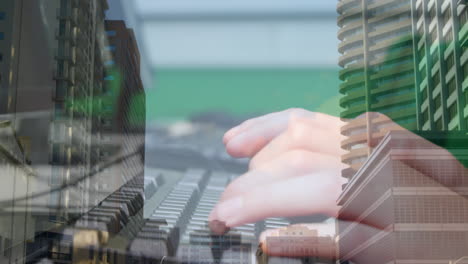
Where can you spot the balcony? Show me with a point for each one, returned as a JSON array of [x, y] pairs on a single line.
[[341, 4], [358, 123], [359, 94], [348, 27], [68, 55], [354, 111], [354, 140], [351, 69], [349, 56], [394, 100], [397, 70], [394, 12], [388, 87], [351, 12], [355, 154], [69, 15], [70, 34], [64, 75]]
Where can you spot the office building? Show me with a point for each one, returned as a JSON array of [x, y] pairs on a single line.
[[301, 240], [441, 67], [78, 76], [54, 89], [16, 221], [412, 194], [377, 60], [123, 79], [417, 208]]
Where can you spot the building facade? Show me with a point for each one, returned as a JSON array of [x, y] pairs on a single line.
[[441, 68], [419, 212], [412, 194], [377, 75], [16, 220], [56, 97]]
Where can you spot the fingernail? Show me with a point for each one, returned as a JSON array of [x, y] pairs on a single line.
[[218, 227], [228, 135], [229, 210]]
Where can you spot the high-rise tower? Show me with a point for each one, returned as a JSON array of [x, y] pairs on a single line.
[[406, 187], [377, 60]]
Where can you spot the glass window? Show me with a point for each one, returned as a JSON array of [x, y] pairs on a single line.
[[432, 12], [452, 113], [2, 15], [422, 51], [111, 33], [465, 70], [421, 30], [439, 125], [423, 73], [451, 86], [450, 61], [435, 57], [437, 102], [436, 79], [109, 63], [434, 35], [425, 116], [466, 95], [110, 48], [448, 37], [447, 15], [463, 18], [424, 95], [419, 11], [2, 35]]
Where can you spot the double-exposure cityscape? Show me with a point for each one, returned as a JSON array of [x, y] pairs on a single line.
[[123, 132]]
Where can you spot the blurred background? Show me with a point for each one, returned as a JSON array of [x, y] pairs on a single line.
[[240, 58]]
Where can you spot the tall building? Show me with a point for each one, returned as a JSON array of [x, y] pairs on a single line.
[[130, 102], [78, 75], [377, 60], [412, 198], [16, 221], [412, 194], [114, 196], [440, 30], [55, 61], [43, 86]]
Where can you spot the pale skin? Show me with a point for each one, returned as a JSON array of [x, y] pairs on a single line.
[[295, 170]]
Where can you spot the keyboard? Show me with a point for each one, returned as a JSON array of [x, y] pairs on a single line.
[[163, 217]]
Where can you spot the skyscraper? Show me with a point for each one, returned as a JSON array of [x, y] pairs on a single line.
[[412, 198], [78, 75], [56, 99], [16, 221], [441, 67], [377, 60]]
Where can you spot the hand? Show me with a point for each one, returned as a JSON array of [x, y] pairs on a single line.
[[295, 170], [288, 152]]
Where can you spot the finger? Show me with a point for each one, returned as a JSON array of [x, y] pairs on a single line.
[[303, 134], [305, 195], [246, 140], [288, 165], [249, 123], [275, 116], [247, 143]]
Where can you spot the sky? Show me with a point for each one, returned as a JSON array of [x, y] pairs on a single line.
[[205, 33], [239, 57]]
